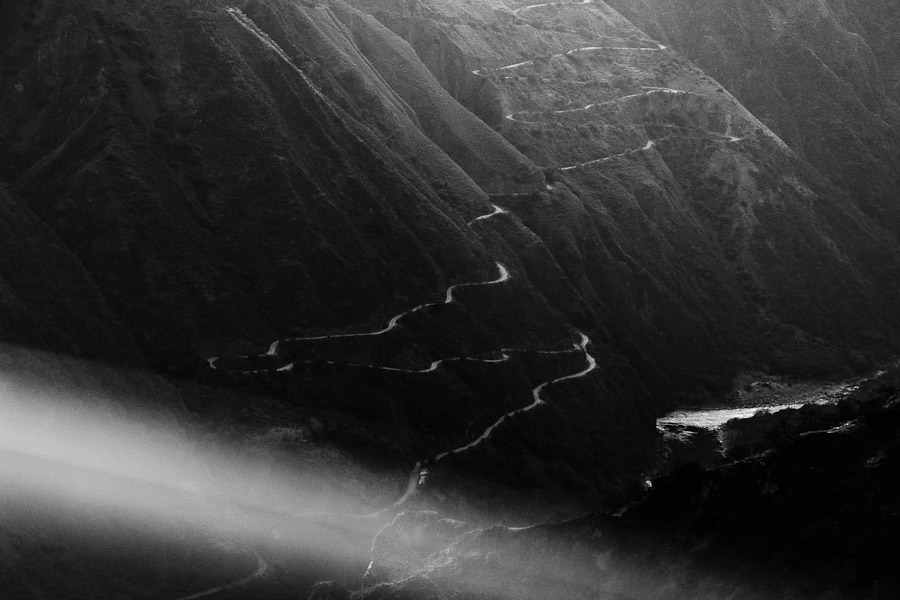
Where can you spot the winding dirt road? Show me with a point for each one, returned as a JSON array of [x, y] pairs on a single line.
[[504, 276], [522, 117], [261, 567], [514, 116], [483, 72], [649, 145], [393, 323], [536, 394], [429, 369], [544, 4], [418, 473], [498, 210]]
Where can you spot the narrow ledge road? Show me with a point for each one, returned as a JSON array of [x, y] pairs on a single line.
[[546, 4], [483, 72], [261, 567], [449, 296], [536, 395], [498, 210], [514, 117], [419, 473], [395, 321], [429, 369]]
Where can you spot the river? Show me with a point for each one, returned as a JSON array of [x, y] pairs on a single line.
[[769, 395]]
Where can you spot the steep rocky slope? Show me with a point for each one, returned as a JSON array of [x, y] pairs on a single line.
[[672, 171], [489, 238], [820, 73], [237, 177], [181, 157]]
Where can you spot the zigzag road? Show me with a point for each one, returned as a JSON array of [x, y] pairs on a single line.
[[261, 567], [533, 6], [646, 147], [659, 48], [649, 145], [498, 210], [728, 136], [419, 472], [536, 394], [514, 117], [395, 320], [416, 475], [504, 275], [565, 111], [448, 298]]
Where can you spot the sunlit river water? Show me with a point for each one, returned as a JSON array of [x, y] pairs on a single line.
[[714, 418]]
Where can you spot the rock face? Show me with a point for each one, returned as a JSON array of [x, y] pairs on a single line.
[[218, 179]]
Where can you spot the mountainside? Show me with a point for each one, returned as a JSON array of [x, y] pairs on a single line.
[[815, 517], [228, 176], [180, 157], [821, 73], [451, 257], [47, 299], [491, 239]]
